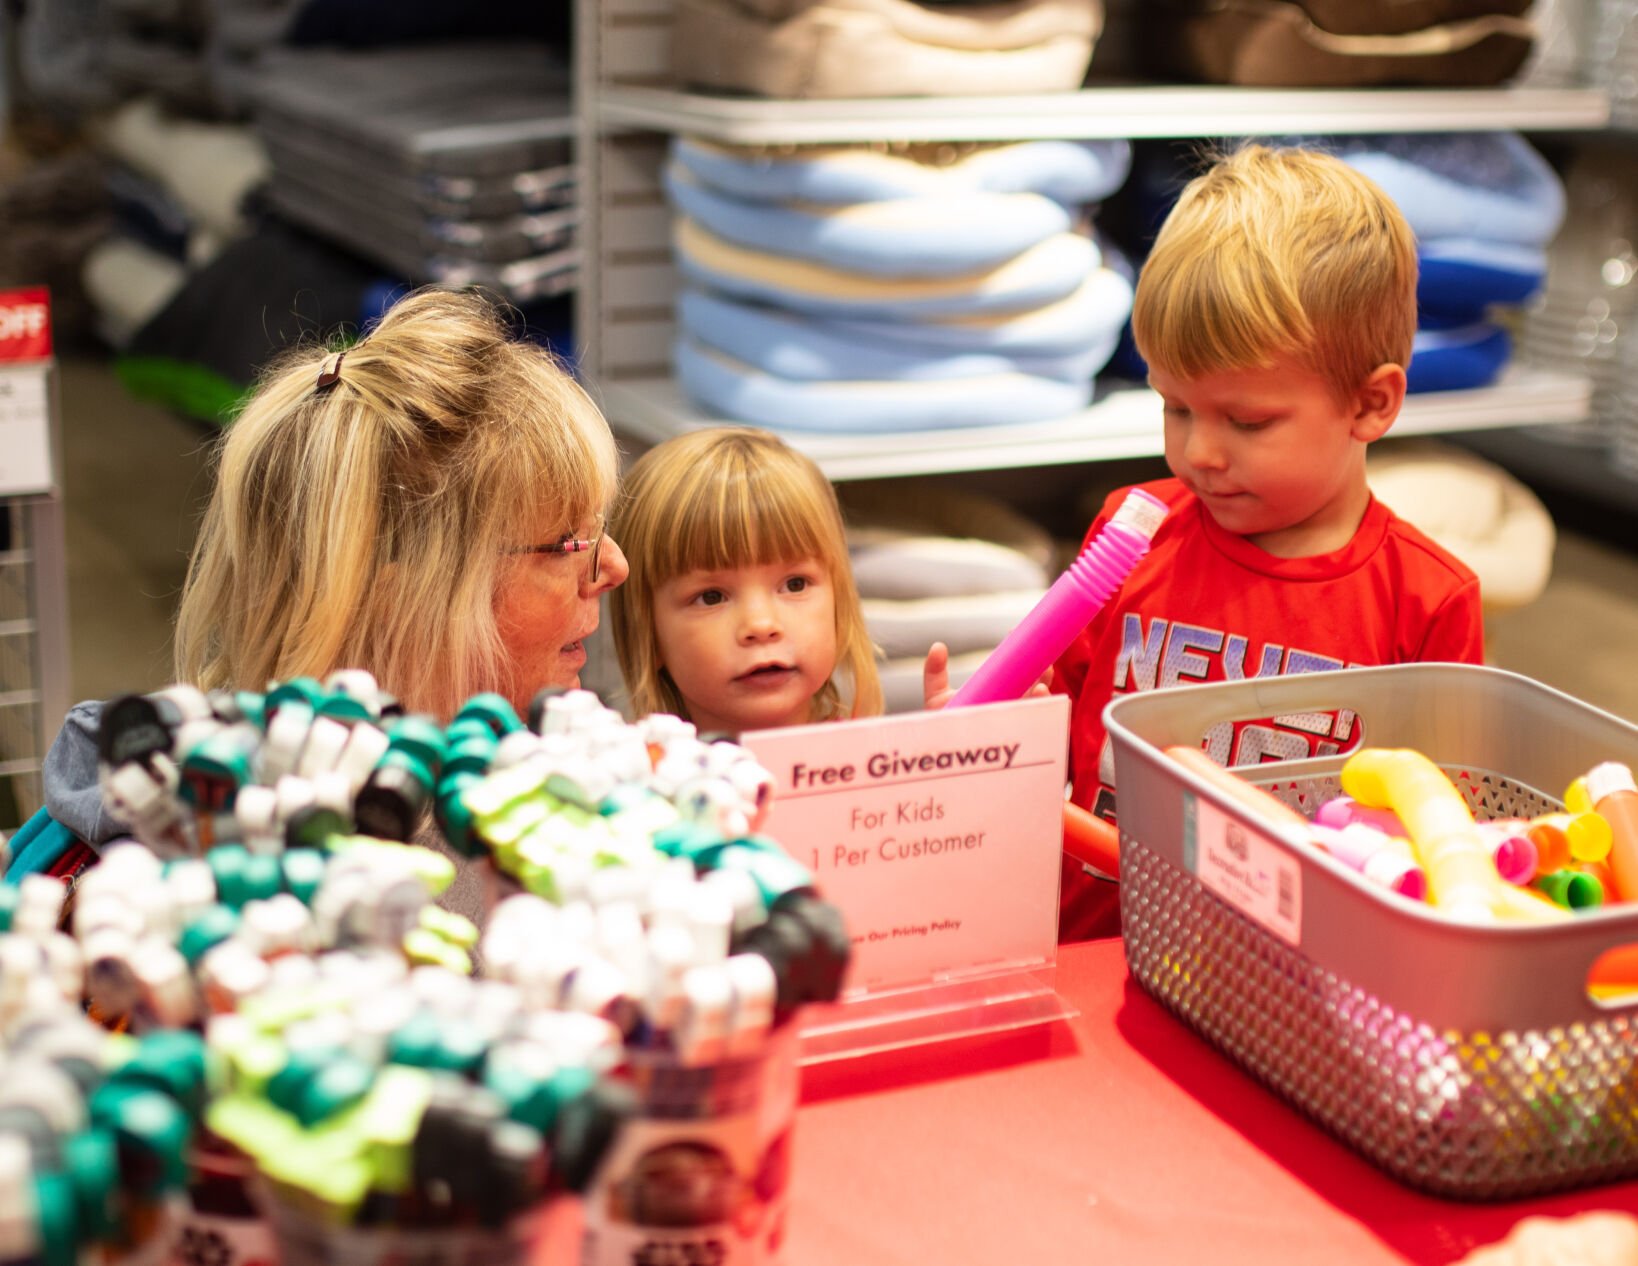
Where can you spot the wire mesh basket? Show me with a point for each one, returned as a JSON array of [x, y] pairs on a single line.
[[1469, 1061]]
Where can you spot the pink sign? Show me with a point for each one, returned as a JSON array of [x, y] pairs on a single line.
[[937, 834]]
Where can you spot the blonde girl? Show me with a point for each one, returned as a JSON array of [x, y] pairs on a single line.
[[740, 612]]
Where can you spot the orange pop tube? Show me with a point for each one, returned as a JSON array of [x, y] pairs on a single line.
[[1552, 844], [1611, 788], [1586, 835], [1248, 794], [1462, 878], [1091, 840]]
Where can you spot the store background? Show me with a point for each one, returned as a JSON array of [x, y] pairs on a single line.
[[135, 472]]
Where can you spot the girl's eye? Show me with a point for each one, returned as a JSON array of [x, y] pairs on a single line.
[[1250, 424], [796, 584], [710, 597]]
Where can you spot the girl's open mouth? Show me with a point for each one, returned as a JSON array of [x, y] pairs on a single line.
[[764, 672]]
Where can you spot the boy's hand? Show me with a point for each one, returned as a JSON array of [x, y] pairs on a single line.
[[935, 680]]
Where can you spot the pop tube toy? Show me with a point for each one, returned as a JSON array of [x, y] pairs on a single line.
[[1064, 610], [1343, 811], [1384, 860], [1249, 794], [1463, 881], [1611, 789], [1090, 840]]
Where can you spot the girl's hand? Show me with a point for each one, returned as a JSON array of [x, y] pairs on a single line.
[[935, 680], [935, 677]]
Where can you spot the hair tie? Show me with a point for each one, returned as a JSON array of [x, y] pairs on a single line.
[[329, 372]]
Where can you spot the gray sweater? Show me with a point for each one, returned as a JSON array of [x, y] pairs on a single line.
[[74, 798]]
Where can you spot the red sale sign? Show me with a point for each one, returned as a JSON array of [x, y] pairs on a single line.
[[25, 324]]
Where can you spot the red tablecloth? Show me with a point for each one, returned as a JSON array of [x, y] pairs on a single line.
[[1116, 1137]]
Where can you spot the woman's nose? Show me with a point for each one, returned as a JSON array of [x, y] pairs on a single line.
[[612, 567]]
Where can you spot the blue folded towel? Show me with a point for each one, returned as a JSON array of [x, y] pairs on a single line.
[[1464, 276], [733, 389], [813, 349], [1458, 359], [1083, 319], [1046, 273], [935, 236], [1485, 186], [1071, 172]]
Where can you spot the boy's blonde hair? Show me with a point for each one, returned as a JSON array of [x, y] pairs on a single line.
[[362, 524], [721, 498], [1279, 253]]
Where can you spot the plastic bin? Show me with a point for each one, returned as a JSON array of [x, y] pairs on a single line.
[[1468, 1061]]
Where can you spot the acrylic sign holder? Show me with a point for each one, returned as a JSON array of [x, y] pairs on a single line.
[[938, 835]]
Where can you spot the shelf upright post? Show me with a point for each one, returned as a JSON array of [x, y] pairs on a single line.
[[33, 558]]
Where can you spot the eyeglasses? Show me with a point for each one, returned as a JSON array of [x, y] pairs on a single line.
[[571, 545]]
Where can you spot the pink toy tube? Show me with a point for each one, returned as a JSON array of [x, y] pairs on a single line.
[[1516, 857], [1514, 853], [1343, 811], [1064, 610], [1382, 859]]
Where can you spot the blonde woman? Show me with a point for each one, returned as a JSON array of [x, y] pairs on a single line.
[[740, 612], [428, 505]]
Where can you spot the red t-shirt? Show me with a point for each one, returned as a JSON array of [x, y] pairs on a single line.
[[1207, 605]]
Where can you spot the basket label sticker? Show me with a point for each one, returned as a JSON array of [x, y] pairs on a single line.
[[1251, 873]]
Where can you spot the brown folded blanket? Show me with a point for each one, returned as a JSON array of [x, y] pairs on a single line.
[[1401, 17], [881, 48], [1275, 44]]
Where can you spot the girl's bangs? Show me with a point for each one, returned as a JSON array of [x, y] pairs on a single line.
[[741, 522]]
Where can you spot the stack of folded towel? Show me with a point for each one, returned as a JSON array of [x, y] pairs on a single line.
[[884, 48], [449, 163], [1339, 43], [1484, 207], [935, 564], [854, 289]]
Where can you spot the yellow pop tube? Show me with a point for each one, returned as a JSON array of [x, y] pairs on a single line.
[[1462, 878], [1586, 835]]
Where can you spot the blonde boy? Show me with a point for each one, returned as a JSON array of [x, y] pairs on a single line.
[[1276, 313]]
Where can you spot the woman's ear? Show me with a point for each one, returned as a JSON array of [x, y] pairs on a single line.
[[1377, 402]]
